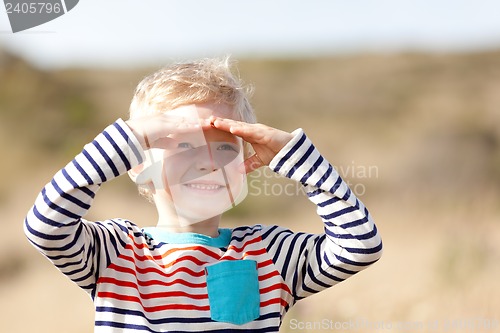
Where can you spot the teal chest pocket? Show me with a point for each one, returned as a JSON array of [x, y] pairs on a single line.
[[233, 291]]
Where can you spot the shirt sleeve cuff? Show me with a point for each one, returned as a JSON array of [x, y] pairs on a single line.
[[291, 153]]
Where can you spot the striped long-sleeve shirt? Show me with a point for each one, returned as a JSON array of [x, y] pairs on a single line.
[[143, 280]]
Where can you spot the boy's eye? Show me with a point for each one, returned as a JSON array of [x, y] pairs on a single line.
[[186, 145], [228, 147]]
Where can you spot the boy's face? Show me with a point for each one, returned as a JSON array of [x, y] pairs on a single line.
[[199, 170]]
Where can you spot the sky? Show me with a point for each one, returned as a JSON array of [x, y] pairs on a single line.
[[127, 33]]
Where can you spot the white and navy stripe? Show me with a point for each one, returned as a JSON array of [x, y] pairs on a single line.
[[142, 284]]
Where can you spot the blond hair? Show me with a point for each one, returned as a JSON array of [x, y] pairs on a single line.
[[196, 82]]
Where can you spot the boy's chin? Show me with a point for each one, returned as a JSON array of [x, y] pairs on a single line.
[[192, 216]]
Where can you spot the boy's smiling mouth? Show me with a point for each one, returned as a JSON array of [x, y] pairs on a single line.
[[204, 186]]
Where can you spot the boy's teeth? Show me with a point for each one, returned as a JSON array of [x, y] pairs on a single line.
[[204, 186]]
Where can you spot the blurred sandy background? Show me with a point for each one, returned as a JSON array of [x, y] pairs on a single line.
[[417, 135]]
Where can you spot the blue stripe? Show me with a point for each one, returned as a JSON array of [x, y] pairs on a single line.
[[105, 243], [314, 193], [68, 196], [107, 158], [354, 223], [65, 256], [372, 250], [272, 244], [353, 263], [53, 206], [312, 275], [289, 258], [118, 150], [69, 264], [118, 236], [300, 162], [134, 149], [312, 170], [47, 249], [85, 190], [289, 154], [360, 237], [42, 235], [85, 268], [269, 232], [336, 186], [321, 270], [95, 165], [325, 177], [251, 232], [82, 172], [347, 194], [291, 253], [138, 327], [50, 222], [330, 201], [169, 320], [338, 213], [46, 220]]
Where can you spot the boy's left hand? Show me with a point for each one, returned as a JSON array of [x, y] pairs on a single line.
[[266, 141]]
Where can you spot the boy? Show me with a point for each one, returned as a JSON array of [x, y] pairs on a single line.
[[186, 145]]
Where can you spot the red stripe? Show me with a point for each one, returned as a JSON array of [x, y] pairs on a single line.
[[193, 248], [151, 283], [239, 249], [245, 255], [149, 270], [264, 263], [274, 301], [255, 252], [163, 307], [281, 286], [146, 257], [268, 275], [170, 264], [137, 245], [162, 294]]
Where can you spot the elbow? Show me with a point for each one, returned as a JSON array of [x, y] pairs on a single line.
[[373, 249], [377, 252], [367, 255], [29, 228]]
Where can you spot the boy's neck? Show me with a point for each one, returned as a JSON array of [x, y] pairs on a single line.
[[209, 227], [171, 221]]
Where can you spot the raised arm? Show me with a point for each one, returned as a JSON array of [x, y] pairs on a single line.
[[55, 224], [310, 263]]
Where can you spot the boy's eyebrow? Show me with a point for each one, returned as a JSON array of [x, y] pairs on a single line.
[[216, 135]]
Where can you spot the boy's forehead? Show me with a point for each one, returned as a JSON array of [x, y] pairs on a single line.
[[208, 135], [203, 111], [216, 135], [195, 112]]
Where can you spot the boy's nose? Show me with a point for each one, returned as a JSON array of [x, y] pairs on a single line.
[[205, 160]]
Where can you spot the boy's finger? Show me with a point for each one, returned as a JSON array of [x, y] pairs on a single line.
[[248, 132], [252, 163], [224, 124], [164, 143]]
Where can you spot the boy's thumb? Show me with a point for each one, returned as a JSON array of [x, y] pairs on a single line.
[[252, 163]]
